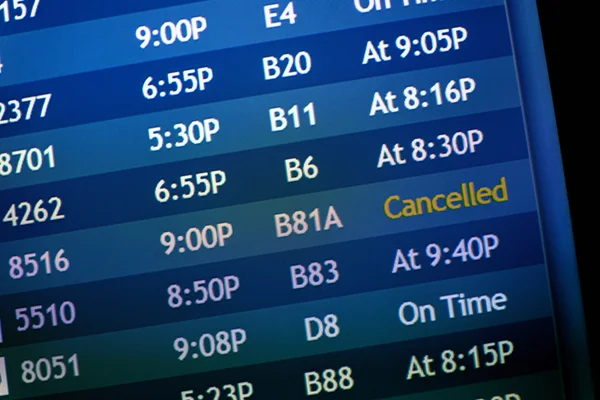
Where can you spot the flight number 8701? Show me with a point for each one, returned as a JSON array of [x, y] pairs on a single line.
[[17, 161]]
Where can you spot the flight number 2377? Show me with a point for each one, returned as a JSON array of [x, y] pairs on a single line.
[[23, 110]]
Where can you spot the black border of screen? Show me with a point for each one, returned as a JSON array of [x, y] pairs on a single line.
[[563, 25]]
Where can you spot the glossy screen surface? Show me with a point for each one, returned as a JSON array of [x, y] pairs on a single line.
[[357, 199]]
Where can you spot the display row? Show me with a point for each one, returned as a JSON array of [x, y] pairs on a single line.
[[395, 315], [546, 385], [43, 212], [208, 26], [239, 285], [272, 226], [268, 67], [28, 15], [268, 120], [251, 384], [256, 175]]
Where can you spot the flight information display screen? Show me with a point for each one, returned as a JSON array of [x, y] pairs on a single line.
[[252, 199]]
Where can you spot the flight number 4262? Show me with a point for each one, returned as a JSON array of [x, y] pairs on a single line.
[[26, 213]]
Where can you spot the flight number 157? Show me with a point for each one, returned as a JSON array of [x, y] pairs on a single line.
[[16, 10]]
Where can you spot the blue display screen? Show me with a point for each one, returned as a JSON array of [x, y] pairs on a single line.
[[245, 199]]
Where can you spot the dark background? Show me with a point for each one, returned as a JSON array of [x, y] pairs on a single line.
[[568, 43]]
